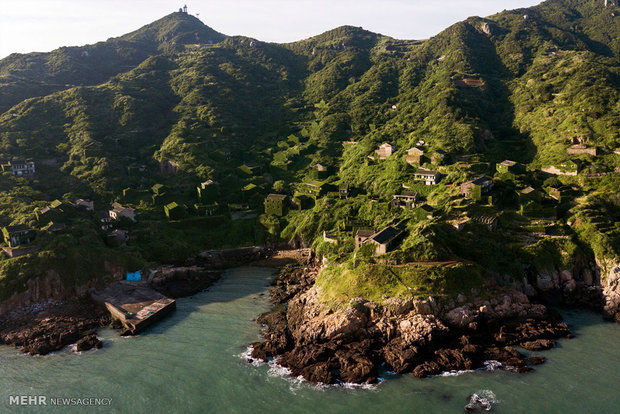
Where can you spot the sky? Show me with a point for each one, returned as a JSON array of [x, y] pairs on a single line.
[[44, 25]]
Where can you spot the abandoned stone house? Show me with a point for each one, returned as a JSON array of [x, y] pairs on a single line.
[[17, 235], [87, 204], [343, 191], [51, 212], [275, 204], [384, 239], [175, 211], [118, 211], [424, 212], [407, 200], [208, 191], [459, 223], [313, 188], [477, 187], [507, 166], [21, 168], [207, 209], [414, 156], [568, 167], [385, 150], [361, 236], [168, 167], [329, 237], [429, 177]]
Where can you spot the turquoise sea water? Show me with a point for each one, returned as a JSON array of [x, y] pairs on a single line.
[[191, 363]]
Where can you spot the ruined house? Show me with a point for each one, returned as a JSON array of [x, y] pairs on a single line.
[[477, 187], [407, 200], [385, 150], [118, 211], [21, 168], [414, 156], [275, 204], [384, 240], [168, 167], [429, 177], [87, 204], [17, 235], [361, 236]]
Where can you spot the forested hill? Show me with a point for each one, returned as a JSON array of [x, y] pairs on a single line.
[[24, 76], [257, 117]]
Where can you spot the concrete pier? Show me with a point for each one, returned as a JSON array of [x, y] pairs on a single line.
[[134, 304]]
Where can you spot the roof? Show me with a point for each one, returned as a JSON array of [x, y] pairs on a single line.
[[119, 207], [408, 194], [508, 163], [17, 228], [480, 180], [173, 205], [527, 190], [415, 150], [55, 226], [364, 233], [385, 145], [207, 183], [385, 235], [276, 196], [422, 171]]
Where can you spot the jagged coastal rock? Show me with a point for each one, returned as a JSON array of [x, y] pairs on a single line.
[[422, 336]]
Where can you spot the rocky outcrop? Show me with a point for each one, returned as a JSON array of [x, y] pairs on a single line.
[[182, 281], [88, 342], [420, 336], [610, 281], [48, 327], [51, 287]]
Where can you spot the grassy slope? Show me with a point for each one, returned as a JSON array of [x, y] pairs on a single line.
[[544, 80]]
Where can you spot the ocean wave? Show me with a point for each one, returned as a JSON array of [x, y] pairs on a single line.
[[247, 357], [454, 373], [278, 371]]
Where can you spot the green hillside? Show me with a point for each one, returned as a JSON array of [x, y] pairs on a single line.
[[100, 121]]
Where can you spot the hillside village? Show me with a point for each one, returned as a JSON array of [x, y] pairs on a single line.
[[440, 194], [374, 151]]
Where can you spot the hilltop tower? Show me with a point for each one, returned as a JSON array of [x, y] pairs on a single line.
[[185, 9]]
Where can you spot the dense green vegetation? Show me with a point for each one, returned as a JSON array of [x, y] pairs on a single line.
[[257, 118]]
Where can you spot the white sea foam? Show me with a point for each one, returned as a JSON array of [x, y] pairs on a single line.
[[278, 371], [482, 400], [247, 356], [492, 365], [454, 373]]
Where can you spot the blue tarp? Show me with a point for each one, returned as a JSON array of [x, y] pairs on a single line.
[[135, 276]]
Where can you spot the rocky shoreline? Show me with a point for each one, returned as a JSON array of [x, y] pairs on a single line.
[[50, 326], [419, 336]]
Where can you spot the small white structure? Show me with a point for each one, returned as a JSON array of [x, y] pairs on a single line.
[[429, 177], [118, 211]]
